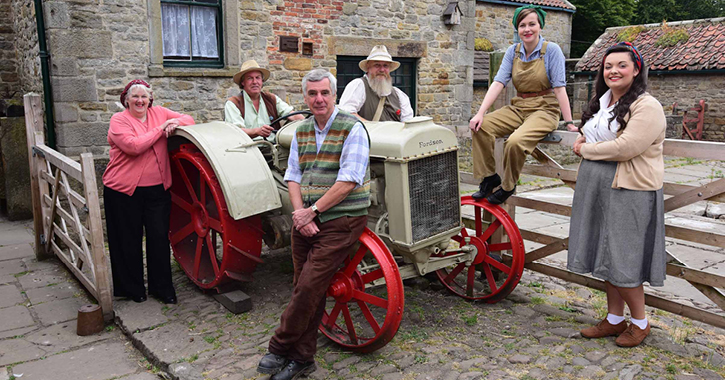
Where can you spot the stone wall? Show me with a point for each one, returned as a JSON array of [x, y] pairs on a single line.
[[9, 81], [494, 22], [686, 90], [26, 47]]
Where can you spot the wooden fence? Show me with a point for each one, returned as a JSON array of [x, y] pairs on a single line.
[[710, 284], [67, 224]]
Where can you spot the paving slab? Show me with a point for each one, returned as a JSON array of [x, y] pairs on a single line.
[[139, 316], [17, 332], [11, 267], [9, 296], [173, 342], [34, 280], [63, 337], [11, 251], [15, 317], [15, 234], [556, 230], [6, 278], [58, 311], [19, 350], [534, 220], [33, 265], [561, 195], [99, 362], [694, 257], [140, 376], [685, 178], [53, 293]]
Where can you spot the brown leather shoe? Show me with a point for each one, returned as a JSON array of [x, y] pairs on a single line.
[[632, 336], [603, 329]]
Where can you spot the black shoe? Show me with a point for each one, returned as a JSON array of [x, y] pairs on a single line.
[[487, 185], [500, 196], [139, 299], [271, 364], [167, 299], [295, 370]]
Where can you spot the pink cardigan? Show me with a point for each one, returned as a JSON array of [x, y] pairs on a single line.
[[131, 140]]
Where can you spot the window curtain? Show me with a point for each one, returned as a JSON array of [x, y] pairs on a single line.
[[180, 22]]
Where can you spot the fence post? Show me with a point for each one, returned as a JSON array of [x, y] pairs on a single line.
[[33, 125]]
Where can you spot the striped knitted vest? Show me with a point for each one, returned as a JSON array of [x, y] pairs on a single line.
[[319, 170]]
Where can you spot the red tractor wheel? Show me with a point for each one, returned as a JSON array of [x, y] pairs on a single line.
[[492, 275], [365, 299], [212, 247]]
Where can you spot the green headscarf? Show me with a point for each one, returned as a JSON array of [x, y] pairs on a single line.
[[539, 11]]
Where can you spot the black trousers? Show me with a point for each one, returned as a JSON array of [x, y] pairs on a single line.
[[149, 209]]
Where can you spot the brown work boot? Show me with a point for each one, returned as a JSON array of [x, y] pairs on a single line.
[[632, 336], [604, 328]]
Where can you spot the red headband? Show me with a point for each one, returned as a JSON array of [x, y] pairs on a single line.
[[632, 48], [128, 86]]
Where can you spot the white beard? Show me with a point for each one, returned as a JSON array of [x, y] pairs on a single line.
[[381, 85]]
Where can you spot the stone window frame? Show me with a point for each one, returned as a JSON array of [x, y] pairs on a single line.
[[230, 22]]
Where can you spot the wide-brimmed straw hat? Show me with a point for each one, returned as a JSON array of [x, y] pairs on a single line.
[[248, 66], [379, 53]]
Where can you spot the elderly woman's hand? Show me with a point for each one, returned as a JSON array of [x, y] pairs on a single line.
[[581, 140], [170, 126]]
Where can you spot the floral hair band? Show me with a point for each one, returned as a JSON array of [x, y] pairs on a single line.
[[632, 48]]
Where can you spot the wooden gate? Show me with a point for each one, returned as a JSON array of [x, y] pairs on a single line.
[[710, 284], [67, 223]]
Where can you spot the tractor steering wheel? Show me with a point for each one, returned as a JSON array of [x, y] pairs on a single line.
[[285, 117]]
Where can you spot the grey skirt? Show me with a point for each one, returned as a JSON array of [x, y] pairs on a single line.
[[617, 235]]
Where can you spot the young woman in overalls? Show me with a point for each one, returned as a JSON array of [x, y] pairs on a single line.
[[536, 68]]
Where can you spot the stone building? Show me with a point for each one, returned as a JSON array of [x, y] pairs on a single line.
[[96, 46], [686, 62]]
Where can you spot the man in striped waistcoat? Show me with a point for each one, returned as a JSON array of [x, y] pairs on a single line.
[[329, 187]]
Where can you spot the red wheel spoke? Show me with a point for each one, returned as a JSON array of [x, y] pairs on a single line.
[[352, 265], [372, 276], [333, 315], [182, 233], [464, 232], [202, 190], [212, 254], [215, 225], [489, 277], [369, 298], [490, 230], [498, 265], [184, 205], [369, 316], [349, 324], [187, 182], [471, 278], [499, 247], [197, 256], [454, 273], [477, 219]]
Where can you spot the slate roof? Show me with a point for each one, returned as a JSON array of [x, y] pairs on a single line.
[[562, 4], [704, 50]]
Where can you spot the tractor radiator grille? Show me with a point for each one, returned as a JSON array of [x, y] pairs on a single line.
[[434, 198]]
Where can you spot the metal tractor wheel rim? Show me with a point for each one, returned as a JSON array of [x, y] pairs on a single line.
[[357, 328], [461, 279]]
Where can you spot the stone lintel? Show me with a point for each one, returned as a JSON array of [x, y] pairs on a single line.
[[362, 46], [161, 71]]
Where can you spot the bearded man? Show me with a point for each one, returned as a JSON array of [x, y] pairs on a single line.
[[362, 97]]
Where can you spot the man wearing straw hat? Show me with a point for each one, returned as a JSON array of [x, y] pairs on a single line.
[[253, 109], [373, 96]]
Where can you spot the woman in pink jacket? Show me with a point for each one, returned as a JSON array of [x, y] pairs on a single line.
[[136, 194]]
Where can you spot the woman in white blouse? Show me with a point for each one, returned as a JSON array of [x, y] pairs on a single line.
[[617, 226]]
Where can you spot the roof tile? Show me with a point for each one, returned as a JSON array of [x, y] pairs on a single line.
[[563, 4]]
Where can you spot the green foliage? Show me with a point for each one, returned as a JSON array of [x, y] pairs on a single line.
[[483, 44], [655, 11], [592, 17], [672, 37], [629, 34]]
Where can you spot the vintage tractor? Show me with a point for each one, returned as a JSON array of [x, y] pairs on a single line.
[[227, 198]]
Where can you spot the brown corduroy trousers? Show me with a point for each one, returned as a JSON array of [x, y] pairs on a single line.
[[316, 260]]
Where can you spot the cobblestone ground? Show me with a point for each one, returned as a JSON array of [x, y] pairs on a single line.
[[533, 334]]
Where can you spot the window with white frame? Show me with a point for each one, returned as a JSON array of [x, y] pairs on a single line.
[[191, 32]]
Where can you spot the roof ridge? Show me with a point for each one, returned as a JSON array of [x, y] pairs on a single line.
[[714, 20]]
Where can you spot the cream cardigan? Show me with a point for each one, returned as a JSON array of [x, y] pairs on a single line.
[[638, 149]]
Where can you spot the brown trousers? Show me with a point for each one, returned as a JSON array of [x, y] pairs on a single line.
[[316, 259], [527, 121]]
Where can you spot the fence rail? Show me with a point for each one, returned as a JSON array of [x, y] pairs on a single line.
[[67, 224]]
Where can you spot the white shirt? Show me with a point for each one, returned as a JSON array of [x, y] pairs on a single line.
[[353, 98], [252, 117], [599, 128]]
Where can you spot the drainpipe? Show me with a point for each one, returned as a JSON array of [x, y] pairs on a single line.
[[45, 71]]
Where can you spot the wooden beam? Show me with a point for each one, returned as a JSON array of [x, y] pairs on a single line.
[[62, 162], [705, 150], [651, 300], [535, 204], [547, 250], [76, 198], [88, 284], [671, 188], [537, 237], [33, 126], [696, 194], [51, 215], [101, 271], [66, 216], [702, 237], [550, 172], [695, 275]]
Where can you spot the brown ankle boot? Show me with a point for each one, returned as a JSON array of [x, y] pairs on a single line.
[[632, 336], [603, 329]]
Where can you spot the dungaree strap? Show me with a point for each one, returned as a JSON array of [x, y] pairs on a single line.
[[543, 49]]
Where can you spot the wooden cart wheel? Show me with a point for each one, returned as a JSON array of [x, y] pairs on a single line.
[[492, 275], [365, 300], [211, 247]]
